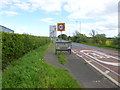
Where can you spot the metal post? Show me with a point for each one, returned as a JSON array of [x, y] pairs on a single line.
[[61, 36]]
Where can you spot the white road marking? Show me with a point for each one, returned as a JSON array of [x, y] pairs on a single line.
[[89, 61], [99, 64], [96, 81], [109, 56], [109, 63], [100, 55], [73, 51], [112, 79], [107, 71], [78, 55], [103, 66]]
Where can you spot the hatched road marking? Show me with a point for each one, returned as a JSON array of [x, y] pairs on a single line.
[[106, 64]]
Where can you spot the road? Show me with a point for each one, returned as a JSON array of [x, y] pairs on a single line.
[[103, 60], [93, 67]]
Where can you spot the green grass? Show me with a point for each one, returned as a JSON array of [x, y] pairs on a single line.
[[31, 71], [85, 63], [0, 79], [61, 57], [105, 46]]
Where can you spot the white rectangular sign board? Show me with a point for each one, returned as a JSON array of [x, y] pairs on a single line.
[[52, 32]]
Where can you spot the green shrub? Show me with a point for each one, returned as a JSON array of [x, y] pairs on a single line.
[[15, 46], [78, 37]]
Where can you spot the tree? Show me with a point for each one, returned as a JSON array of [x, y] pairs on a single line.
[[78, 37], [100, 38], [69, 37], [63, 36], [93, 33]]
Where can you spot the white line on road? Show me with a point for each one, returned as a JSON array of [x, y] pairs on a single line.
[[113, 80], [73, 51], [98, 63], [103, 66], [100, 55]]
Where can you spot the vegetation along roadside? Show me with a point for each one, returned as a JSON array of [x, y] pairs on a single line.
[[61, 57], [99, 40], [31, 71]]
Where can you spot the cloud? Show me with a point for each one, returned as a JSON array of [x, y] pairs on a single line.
[[10, 13], [109, 27], [23, 5], [32, 5], [48, 20], [8, 3], [79, 7], [87, 9], [103, 12], [47, 5], [55, 13]]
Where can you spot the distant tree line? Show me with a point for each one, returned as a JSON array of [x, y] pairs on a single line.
[[99, 39]]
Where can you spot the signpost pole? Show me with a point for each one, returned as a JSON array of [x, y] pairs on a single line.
[[61, 36], [61, 27]]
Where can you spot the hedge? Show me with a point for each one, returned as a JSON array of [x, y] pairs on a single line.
[[15, 46]]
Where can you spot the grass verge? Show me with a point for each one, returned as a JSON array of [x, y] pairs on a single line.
[[31, 71], [103, 46], [61, 57]]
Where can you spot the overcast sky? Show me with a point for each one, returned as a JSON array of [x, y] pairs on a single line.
[[35, 16]]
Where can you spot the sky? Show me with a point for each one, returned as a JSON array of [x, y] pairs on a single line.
[[35, 16]]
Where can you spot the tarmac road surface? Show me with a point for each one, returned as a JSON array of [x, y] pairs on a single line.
[[103, 60]]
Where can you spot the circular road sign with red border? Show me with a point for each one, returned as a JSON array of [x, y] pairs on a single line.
[[61, 26]]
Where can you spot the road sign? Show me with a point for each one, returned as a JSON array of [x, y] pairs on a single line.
[[53, 31], [60, 26]]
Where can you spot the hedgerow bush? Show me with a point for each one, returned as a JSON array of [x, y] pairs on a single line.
[[15, 46]]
